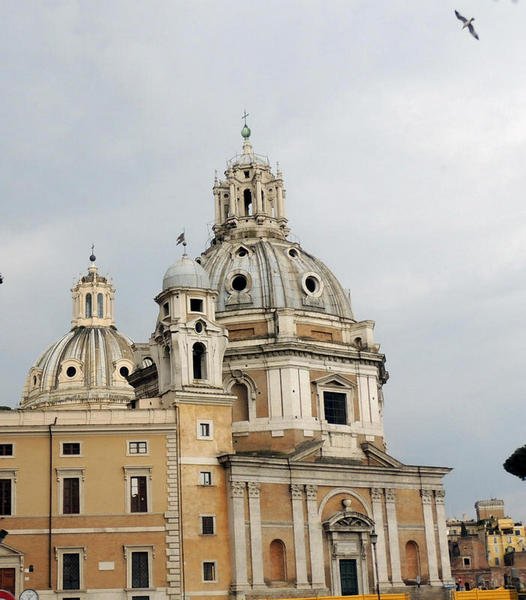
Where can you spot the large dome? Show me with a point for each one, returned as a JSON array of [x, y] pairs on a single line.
[[270, 274], [89, 365]]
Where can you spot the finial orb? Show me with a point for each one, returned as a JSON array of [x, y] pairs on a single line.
[[245, 132], [92, 258]]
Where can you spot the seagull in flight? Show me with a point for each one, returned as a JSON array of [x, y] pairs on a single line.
[[467, 23]]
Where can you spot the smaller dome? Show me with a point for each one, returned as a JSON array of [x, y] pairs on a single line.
[[186, 273]]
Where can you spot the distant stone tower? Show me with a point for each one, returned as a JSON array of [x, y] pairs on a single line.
[[487, 509]]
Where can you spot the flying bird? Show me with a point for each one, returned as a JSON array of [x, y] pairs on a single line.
[[467, 23]]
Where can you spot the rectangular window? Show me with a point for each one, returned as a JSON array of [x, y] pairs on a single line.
[[71, 571], [6, 449], [140, 577], [207, 525], [71, 448], [196, 305], [497, 562], [138, 494], [138, 447], [209, 571], [204, 429], [335, 406], [466, 561], [5, 496], [71, 496], [205, 478]]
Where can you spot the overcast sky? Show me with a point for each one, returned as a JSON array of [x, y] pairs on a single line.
[[403, 145]]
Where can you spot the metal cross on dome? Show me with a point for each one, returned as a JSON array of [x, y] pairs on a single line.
[[245, 115]]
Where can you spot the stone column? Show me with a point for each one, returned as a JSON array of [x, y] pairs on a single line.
[[442, 536], [239, 568], [429, 526], [378, 516], [296, 491], [392, 530], [255, 534], [315, 538]]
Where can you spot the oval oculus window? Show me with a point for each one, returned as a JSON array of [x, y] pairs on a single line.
[[124, 371], [71, 371]]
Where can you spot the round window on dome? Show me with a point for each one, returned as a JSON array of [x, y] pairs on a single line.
[[124, 371], [242, 251], [71, 372], [293, 253], [239, 283], [312, 285]]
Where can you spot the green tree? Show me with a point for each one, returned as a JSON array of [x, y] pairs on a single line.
[[516, 463]]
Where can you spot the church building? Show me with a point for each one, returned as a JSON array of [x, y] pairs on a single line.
[[238, 453]]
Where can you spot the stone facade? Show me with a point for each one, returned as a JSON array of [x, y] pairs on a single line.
[[249, 458]]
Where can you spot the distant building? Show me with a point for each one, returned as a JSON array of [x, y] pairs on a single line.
[[488, 552]]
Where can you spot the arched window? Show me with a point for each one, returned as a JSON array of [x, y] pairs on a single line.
[[247, 197], [199, 360], [412, 562], [100, 306], [278, 566], [89, 306], [263, 201], [240, 406]]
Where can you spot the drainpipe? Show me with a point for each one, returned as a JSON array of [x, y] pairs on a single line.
[[50, 514]]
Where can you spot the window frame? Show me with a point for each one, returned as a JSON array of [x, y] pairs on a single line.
[[9, 475], [64, 454], [336, 384], [203, 478], [7, 444], [214, 568], [70, 473], [130, 472], [202, 305], [202, 525], [129, 550], [59, 557], [210, 424], [141, 441]]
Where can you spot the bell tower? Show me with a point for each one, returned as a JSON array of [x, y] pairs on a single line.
[[188, 346]]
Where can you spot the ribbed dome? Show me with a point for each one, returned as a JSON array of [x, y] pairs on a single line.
[[186, 273], [273, 274], [87, 366]]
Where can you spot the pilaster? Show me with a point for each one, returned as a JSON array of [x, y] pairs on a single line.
[[429, 526], [255, 534], [392, 530], [172, 518], [442, 536], [315, 538], [381, 553], [296, 491], [239, 568]]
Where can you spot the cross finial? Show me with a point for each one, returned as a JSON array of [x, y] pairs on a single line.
[[245, 115]]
